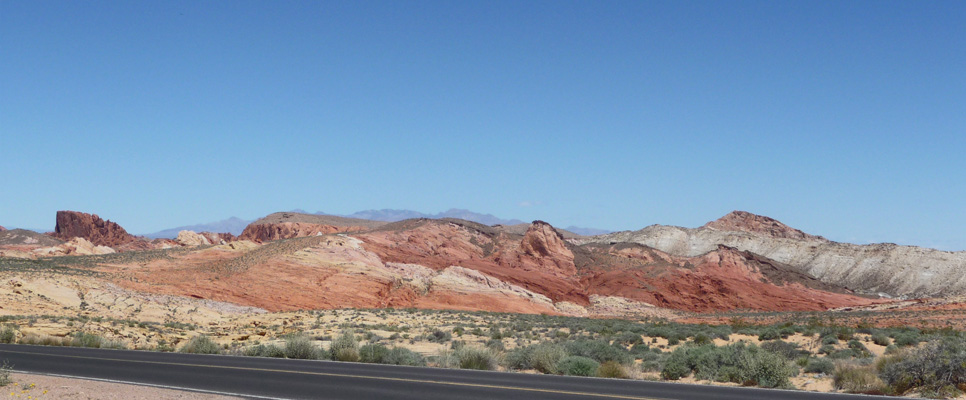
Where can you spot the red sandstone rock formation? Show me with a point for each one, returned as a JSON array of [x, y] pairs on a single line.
[[463, 265], [2, 229], [71, 224], [546, 247], [744, 221], [724, 279], [288, 230]]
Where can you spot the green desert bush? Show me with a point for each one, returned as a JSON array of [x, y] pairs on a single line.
[[545, 357], [84, 339], [470, 357], [931, 368], [907, 339], [265, 350], [518, 358], [739, 363], [577, 366], [373, 353], [652, 362], [403, 356], [770, 334], [440, 336], [201, 344], [5, 374], [881, 339], [820, 365], [855, 378], [8, 335], [788, 350], [345, 347], [701, 339], [599, 350], [859, 350], [301, 347]]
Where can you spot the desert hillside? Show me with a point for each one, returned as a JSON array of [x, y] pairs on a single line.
[[886, 269]]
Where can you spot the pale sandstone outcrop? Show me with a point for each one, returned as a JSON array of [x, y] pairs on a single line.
[[190, 238], [77, 246]]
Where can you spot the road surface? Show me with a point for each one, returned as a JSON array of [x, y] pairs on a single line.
[[270, 378]]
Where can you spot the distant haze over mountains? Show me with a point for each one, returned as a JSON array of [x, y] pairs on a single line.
[[232, 225], [235, 225]]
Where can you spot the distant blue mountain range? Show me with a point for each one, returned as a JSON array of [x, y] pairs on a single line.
[[235, 225]]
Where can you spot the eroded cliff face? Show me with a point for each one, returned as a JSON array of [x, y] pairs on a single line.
[[543, 245], [289, 230], [542, 262], [71, 224], [886, 269]]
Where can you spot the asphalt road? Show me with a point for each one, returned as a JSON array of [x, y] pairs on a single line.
[[297, 379]]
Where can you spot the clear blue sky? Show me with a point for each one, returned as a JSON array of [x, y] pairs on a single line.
[[845, 119]]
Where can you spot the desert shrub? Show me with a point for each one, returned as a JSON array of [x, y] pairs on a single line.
[[518, 358], [853, 378], [545, 357], [345, 347], [820, 365], [826, 349], [907, 339], [577, 366], [785, 349], [46, 340], [770, 334], [114, 344], [652, 362], [640, 349], [678, 365], [739, 363], [881, 339], [84, 339], [842, 354], [440, 336], [629, 339], [301, 347], [701, 339], [495, 345], [8, 335], [476, 358], [201, 344], [5, 374], [612, 369], [373, 353], [403, 356], [891, 349], [599, 350], [858, 349], [446, 359], [931, 368], [829, 339], [265, 350]]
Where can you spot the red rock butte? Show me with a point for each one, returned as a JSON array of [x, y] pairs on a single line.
[[71, 224]]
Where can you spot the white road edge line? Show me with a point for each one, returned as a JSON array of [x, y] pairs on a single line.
[[249, 396]]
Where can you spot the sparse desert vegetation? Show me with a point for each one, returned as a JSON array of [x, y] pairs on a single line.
[[854, 359]]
